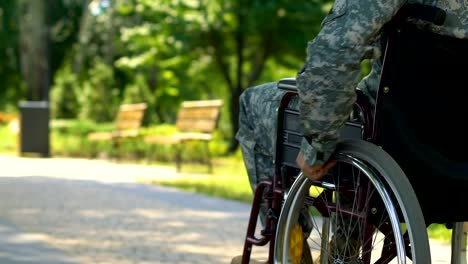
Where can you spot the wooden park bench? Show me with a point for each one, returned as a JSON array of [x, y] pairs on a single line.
[[127, 125], [196, 121]]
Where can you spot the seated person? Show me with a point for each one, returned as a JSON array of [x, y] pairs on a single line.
[[326, 85]]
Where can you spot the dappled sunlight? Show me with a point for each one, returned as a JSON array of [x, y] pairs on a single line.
[[205, 250], [27, 238], [205, 215], [25, 248], [185, 237], [173, 224], [122, 223], [150, 214], [81, 244], [99, 213], [188, 215]]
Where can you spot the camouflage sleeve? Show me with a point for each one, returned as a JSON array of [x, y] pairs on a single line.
[[327, 83]]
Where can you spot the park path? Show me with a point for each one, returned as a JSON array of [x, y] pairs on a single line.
[[70, 211]]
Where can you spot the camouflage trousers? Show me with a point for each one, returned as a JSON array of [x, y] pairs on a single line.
[[257, 137], [257, 130]]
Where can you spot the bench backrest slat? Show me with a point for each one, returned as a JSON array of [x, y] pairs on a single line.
[[199, 116], [130, 116]]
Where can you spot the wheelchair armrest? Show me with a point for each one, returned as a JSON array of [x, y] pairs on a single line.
[[288, 84]]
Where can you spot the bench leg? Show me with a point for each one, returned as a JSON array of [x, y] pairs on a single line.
[[115, 149], [208, 157], [92, 149], [149, 151], [178, 157]]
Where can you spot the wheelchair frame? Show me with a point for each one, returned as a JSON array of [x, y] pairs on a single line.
[[274, 192]]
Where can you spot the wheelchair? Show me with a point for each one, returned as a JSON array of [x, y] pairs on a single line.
[[402, 163]]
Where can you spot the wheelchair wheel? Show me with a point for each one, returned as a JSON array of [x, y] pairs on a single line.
[[363, 211]]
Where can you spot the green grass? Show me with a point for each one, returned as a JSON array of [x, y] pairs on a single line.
[[8, 140], [229, 179], [440, 232]]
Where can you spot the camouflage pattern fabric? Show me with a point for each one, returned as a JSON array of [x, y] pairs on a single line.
[[327, 82], [257, 130], [350, 34]]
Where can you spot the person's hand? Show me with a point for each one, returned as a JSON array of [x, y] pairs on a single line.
[[314, 172]]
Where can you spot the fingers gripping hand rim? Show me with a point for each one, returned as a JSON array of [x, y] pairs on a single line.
[[316, 171]]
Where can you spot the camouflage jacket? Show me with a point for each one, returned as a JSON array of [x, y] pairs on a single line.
[[350, 34]]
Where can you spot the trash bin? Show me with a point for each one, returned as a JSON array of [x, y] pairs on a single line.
[[34, 127]]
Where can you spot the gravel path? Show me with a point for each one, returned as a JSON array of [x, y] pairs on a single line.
[[90, 211]]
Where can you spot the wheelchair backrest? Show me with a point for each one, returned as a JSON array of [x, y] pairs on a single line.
[[422, 107], [424, 94]]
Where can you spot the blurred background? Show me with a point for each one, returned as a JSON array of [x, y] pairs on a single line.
[[67, 65], [85, 58]]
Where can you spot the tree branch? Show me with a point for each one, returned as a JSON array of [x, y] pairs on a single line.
[[219, 57], [259, 60]]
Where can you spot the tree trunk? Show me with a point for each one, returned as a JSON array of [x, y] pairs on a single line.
[[237, 90], [234, 111], [33, 48]]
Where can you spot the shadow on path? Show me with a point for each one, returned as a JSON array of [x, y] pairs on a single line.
[[121, 222], [20, 248]]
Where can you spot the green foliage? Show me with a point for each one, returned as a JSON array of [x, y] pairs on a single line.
[[440, 232], [66, 17], [98, 38], [68, 136], [99, 99], [213, 49], [159, 51], [190, 150], [64, 94], [23, 58], [166, 52], [139, 92], [10, 75], [78, 127]]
